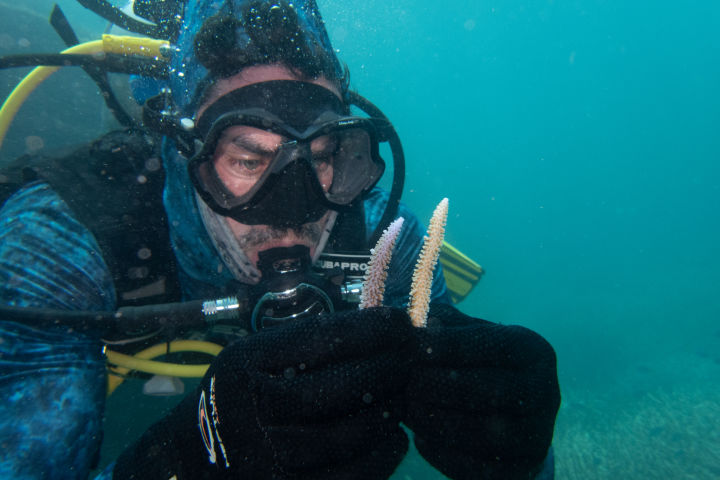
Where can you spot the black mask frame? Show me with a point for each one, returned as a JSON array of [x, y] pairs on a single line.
[[288, 194]]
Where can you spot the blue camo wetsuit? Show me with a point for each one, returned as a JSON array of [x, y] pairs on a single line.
[[52, 381]]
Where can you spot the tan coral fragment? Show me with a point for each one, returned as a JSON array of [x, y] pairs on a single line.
[[422, 276]]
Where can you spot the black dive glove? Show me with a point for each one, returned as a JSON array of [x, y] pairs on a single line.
[[482, 397], [317, 398]]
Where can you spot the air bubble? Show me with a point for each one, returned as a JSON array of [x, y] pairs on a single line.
[[187, 124], [152, 164]]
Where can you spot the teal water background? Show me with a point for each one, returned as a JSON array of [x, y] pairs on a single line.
[[578, 143]]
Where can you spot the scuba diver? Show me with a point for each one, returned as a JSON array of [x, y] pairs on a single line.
[[252, 180]]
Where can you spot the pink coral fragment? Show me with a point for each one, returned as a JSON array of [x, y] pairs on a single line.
[[373, 290]]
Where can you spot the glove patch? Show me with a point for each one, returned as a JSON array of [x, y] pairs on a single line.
[[205, 429], [208, 430]]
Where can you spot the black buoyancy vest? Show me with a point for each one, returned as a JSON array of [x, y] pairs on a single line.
[[114, 187]]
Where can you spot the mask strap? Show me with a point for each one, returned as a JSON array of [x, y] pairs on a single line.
[[327, 229], [224, 240]]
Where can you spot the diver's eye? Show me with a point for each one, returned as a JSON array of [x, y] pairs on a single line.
[[321, 162], [248, 166]]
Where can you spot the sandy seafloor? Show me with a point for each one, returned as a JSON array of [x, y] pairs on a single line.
[[578, 144]]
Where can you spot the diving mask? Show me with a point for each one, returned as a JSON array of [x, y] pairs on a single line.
[[282, 153]]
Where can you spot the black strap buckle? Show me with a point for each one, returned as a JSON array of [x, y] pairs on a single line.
[[160, 115]]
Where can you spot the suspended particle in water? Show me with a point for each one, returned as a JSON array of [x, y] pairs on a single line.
[[6, 41], [33, 143]]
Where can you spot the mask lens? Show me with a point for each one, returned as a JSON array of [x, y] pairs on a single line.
[[243, 159], [323, 151], [353, 167]]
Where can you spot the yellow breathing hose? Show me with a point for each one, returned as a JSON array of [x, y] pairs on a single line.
[[123, 45], [121, 364]]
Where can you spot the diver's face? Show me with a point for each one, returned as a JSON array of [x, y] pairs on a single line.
[[241, 155]]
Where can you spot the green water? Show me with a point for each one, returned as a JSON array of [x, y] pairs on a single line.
[[578, 144]]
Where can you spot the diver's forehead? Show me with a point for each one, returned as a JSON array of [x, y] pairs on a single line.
[[245, 135]]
